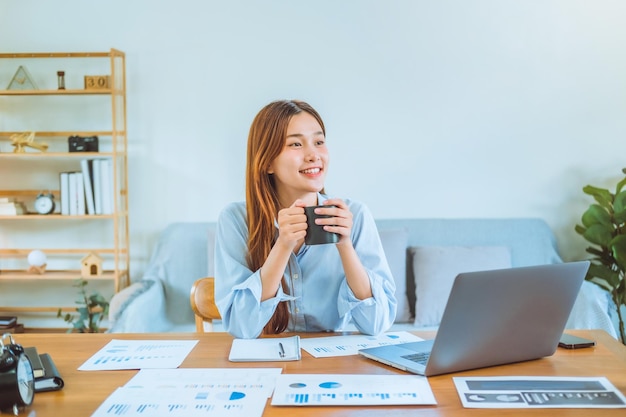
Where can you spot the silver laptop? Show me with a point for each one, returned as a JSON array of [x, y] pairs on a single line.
[[493, 318]]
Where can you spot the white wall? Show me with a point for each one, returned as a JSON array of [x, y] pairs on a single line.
[[453, 108]]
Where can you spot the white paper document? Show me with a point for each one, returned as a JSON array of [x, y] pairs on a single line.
[[323, 347], [262, 379], [139, 354], [341, 389], [183, 402], [538, 392]]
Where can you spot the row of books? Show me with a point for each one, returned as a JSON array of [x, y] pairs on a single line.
[[88, 191]]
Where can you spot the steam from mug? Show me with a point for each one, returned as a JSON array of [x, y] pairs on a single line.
[[315, 233]]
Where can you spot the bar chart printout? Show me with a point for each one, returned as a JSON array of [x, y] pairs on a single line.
[[342, 389], [174, 402], [324, 347], [139, 354]]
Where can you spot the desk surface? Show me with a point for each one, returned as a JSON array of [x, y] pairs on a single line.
[[85, 391]]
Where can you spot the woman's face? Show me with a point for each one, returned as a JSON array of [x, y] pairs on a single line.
[[300, 169]]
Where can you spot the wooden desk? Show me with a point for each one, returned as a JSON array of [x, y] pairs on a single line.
[[85, 391]]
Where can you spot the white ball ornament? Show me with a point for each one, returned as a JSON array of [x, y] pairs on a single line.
[[37, 258], [37, 261]]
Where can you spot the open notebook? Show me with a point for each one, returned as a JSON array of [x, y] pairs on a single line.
[[266, 349]]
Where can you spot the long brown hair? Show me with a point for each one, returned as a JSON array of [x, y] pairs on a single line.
[[265, 142]]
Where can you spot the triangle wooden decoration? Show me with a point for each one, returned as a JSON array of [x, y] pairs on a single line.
[[22, 80]]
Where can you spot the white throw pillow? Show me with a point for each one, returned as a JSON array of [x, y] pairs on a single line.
[[395, 242], [436, 267]]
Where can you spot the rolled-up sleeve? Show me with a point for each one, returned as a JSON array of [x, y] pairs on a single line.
[[376, 314], [237, 288]]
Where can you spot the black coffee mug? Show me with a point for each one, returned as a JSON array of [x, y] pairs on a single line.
[[315, 233]]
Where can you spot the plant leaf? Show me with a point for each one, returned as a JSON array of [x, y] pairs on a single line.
[[596, 214], [620, 184], [619, 208], [601, 195], [580, 229], [610, 279], [618, 245], [597, 252], [599, 234]]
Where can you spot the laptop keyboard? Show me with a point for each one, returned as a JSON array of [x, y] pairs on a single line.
[[420, 358]]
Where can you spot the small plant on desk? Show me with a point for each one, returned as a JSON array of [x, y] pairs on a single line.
[[91, 311]]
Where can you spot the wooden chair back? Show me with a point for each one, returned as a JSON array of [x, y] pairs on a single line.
[[202, 298]]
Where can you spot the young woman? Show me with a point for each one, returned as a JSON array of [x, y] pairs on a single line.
[[266, 279]]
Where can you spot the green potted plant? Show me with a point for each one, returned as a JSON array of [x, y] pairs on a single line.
[[92, 309], [604, 226]]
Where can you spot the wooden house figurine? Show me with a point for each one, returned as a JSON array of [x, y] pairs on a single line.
[[91, 265]]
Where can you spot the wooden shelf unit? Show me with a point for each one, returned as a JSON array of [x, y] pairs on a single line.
[[112, 143]]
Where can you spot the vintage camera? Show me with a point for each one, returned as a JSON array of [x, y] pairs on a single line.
[[83, 143]]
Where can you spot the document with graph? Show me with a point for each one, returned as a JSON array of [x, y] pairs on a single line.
[[324, 347], [139, 354], [342, 389], [538, 392]]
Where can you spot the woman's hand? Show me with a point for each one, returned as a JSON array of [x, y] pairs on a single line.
[[340, 222], [292, 224]]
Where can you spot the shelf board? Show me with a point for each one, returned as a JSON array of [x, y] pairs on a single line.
[[14, 55], [55, 275], [104, 91], [60, 217], [57, 251], [24, 309], [63, 134], [77, 155]]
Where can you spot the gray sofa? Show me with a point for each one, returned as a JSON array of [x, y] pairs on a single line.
[[424, 255]]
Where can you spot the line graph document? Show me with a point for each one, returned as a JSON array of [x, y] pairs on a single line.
[[324, 347], [139, 354]]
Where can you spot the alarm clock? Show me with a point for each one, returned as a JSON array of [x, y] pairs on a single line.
[[17, 381], [44, 203]]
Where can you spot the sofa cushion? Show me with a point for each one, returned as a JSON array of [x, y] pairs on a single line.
[[394, 243], [436, 267]]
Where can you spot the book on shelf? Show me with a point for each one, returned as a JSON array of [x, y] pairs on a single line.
[[12, 209], [64, 179], [7, 322], [97, 185], [7, 200], [76, 194], [18, 328], [72, 195], [80, 193], [106, 185], [86, 167]]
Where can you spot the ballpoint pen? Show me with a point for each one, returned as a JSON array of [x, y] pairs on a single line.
[[281, 350]]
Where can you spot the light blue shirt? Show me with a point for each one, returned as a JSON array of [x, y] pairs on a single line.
[[318, 294]]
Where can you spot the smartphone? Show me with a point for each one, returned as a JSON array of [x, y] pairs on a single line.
[[574, 342]]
